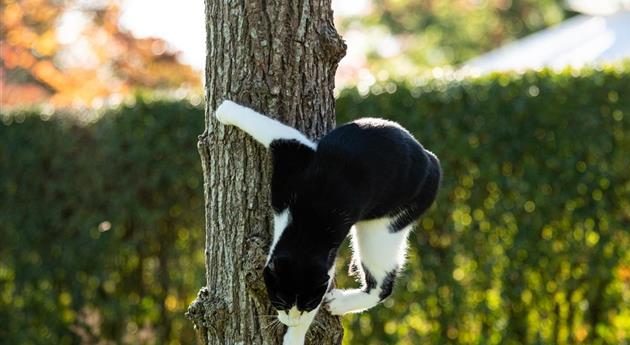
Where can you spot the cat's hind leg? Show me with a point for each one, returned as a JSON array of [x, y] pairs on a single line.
[[379, 253], [263, 129]]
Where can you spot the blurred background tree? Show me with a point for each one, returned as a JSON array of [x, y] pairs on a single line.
[[77, 65], [75, 52], [401, 38]]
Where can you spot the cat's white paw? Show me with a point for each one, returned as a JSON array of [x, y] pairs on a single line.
[[290, 340], [226, 111], [334, 302], [295, 335]]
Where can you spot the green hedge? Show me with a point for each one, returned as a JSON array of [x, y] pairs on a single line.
[[528, 242], [101, 223]]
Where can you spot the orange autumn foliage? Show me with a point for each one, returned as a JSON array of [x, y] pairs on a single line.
[[104, 61]]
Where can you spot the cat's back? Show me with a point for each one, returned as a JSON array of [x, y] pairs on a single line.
[[374, 153], [376, 161], [368, 140], [374, 165], [367, 125]]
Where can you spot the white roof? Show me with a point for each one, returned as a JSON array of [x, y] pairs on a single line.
[[581, 40], [598, 7]]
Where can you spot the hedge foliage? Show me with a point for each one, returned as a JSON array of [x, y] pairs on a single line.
[[102, 234], [528, 242], [101, 225]]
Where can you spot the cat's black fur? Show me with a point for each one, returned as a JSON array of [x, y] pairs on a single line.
[[367, 169]]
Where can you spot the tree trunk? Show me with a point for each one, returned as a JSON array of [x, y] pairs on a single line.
[[278, 57]]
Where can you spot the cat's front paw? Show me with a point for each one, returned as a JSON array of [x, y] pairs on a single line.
[[295, 335], [226, 111], [334, 302]]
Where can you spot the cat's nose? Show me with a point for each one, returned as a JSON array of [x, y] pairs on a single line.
[[294, 313]]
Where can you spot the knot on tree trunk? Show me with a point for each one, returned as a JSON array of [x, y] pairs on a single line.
[[208, 313], [254, 263], [332, 43]]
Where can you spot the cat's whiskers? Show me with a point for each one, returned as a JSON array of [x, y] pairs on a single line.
[[276, 326], [269, 320], [272, 326], [281, 300]]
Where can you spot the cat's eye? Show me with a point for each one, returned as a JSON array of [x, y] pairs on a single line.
[[325, 283], [312, 304], [279, 305], [269, 275]]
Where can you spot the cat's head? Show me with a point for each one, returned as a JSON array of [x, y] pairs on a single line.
[[296, 286]]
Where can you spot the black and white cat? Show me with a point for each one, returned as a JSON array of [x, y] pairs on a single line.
[[370, 178]]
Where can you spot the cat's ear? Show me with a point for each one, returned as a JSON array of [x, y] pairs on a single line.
[[332, 256], [270, 278], [291, 158], [277, 263], [271, 267]]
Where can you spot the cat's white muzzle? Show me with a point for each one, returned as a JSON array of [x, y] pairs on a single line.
[[295, 317], [292, 318]]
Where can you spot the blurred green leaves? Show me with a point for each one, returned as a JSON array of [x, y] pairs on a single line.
[[432, 33], [101, 225], [528, 242]]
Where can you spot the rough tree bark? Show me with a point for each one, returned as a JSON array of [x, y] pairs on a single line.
[[278, 57]]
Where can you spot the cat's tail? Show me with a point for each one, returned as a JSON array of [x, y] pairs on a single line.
[[426, 196], [431, 184]]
